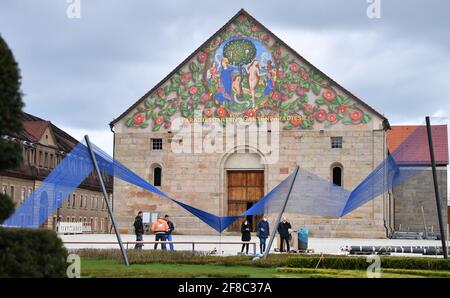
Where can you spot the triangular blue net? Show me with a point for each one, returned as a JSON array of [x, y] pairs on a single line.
[[311, 194]]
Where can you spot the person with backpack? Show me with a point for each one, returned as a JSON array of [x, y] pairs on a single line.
[[139, 230], [160, 228]]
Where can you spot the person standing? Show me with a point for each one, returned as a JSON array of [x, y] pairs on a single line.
[[169, 233], [246, 229], [263, 232], [160, 228], [139, 230], [284, 228]]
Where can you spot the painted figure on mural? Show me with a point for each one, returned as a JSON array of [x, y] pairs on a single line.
[[225, 82], [253, 78], [269, 84]]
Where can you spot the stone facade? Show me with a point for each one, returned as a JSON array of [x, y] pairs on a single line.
[[416, 193], [276, 80], [198, 179]]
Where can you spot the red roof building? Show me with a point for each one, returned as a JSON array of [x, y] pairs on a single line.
[[408, 144]]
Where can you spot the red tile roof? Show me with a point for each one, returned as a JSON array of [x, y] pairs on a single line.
[[35, 129], [409, 144]]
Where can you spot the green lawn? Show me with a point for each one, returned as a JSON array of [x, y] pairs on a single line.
[[104, 268]]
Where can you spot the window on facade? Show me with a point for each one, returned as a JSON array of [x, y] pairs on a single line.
[[41, 157], [73, 200], [22, 195], [45, 160], [336, 142], [68, 202], [81, 201], [12, 192], [51, 161], [92, 202], [337, 175], [4, 189], [157, 144], [157, 175]]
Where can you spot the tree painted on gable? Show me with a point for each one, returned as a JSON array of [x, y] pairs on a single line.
[[245, 73]]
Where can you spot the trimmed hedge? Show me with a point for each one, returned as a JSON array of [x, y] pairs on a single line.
[[31, 253], [293, 261]]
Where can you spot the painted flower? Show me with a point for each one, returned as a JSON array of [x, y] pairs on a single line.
[[321, 115], [280, 73], [159, 120], [255, 28], [160, 92], [300, 91], [308, 108], [295, 122], [276, 95], [304, 75], [284, 97], [168, 124], [266, 37], [186, 77], [329, 95], [205, 97], [332, 118], [342, 109], [242, 18], [355, 115], [217, 42], [202, 57], [294, 67], [292, 87], [208, 112], [193, 90], [190, 102], [138, 119], [250, 113], [221, 112]]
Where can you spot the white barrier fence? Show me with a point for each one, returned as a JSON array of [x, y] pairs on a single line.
[[73, 228]]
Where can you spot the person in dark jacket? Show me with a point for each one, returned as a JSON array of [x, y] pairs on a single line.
[[246, 228], [262, 231], [139, 230], [169, 233], [284, 228]]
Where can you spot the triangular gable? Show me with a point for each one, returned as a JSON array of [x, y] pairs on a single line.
[[280, 82]]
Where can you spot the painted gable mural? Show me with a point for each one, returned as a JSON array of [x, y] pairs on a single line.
[[244, 73]]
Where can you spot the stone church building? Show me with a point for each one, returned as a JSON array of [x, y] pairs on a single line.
[[243, 74]]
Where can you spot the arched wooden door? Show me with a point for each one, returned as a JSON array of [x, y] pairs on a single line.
[[245, 188]]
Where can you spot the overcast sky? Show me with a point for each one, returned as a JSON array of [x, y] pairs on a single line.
[[82, 73]]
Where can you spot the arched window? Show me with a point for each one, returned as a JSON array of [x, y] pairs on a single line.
[[337, 174], [157, 175]]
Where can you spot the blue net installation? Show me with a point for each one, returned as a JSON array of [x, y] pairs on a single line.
[[311, 194]]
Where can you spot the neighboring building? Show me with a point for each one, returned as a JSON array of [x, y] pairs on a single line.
[[44, 147], [417, 194], [244, 70]]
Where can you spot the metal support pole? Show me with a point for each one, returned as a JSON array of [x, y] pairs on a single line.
[[277, 222], [436, 188], [105, 196]]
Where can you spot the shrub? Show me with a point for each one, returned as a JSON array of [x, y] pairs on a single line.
[[31, 253], [6, 207]]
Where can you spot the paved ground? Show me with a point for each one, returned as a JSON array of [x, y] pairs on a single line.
[[320, 245]]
